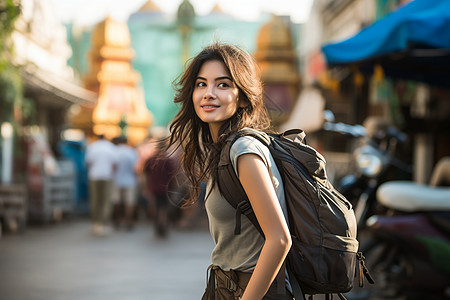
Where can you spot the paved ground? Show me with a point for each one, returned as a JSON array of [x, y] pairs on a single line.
[[64, 262]]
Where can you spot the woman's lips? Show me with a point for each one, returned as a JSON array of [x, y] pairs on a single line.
[[209, 107]]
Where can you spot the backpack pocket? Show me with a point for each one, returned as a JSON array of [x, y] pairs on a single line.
[[329, 268], [338, 262]]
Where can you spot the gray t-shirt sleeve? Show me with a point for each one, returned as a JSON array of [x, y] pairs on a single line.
[[245, 145], [248, 144]]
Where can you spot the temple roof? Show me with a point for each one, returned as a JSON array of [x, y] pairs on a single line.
[[275, 34], [150, 6], [217, 9], [112, 33], [275, 52]]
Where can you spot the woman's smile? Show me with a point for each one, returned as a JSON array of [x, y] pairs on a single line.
[[209, 107]]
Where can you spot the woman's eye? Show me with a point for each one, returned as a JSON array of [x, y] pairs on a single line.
[[201, 84], [223, 84]]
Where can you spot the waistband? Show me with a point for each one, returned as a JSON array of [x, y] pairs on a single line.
[[234, 281]]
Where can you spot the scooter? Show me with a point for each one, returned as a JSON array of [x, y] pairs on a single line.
[[375, 161], [408, 254]]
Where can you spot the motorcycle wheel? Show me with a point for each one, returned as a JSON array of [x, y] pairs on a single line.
[[388, 266]]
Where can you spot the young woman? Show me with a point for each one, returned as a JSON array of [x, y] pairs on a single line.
[[220, 93]]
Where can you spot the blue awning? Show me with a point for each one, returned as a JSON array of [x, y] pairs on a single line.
[[412, 42]]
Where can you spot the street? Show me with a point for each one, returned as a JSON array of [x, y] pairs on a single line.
[[65, 262]]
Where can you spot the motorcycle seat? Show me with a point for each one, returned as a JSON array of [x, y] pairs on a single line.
[[410, 196]]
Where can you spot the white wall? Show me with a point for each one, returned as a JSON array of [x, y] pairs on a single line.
[[40, 39]]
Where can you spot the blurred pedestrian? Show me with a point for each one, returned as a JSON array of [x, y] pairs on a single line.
[[160, 170], [125, 184], [145, 150], [219, 94], [101, 160]]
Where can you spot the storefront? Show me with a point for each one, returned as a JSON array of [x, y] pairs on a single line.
[[34, 181], [403, 60]]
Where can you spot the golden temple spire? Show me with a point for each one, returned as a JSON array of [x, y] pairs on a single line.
[[150, 6], [121, 108], [276, 58], [217, 9]]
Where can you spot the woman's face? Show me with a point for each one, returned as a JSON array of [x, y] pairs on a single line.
[[215, 95]]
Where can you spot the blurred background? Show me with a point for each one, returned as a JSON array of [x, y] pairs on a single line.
[[71, 70]]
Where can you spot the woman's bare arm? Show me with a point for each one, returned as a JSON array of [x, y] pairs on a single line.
[[257, 183]]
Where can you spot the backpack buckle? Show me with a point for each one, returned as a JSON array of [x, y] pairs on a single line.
[[231, 285], [245, 207], [360, 256]]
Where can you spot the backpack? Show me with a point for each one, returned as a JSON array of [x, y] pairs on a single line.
[[324, 253]]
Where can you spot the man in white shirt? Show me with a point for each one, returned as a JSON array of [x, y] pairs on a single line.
[[101, 159]]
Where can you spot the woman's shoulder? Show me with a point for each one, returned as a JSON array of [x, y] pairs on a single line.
[[247, 140], [249, 144]]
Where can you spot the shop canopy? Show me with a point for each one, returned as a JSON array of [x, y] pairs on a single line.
[[412, 42], [53, 91]]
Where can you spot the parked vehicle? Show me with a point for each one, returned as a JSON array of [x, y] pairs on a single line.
[[408, 254], [374, 161]]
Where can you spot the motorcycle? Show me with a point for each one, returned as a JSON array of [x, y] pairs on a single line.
[[375, 161], [408, 254]]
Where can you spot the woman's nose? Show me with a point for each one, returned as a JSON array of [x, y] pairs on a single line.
[[209, 93]]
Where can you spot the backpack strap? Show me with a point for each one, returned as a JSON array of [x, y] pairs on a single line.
[[295, 285], [229, 184], [341, 296], [363, 271]]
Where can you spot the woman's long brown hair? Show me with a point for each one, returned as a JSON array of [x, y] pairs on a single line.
[[200, 155]]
